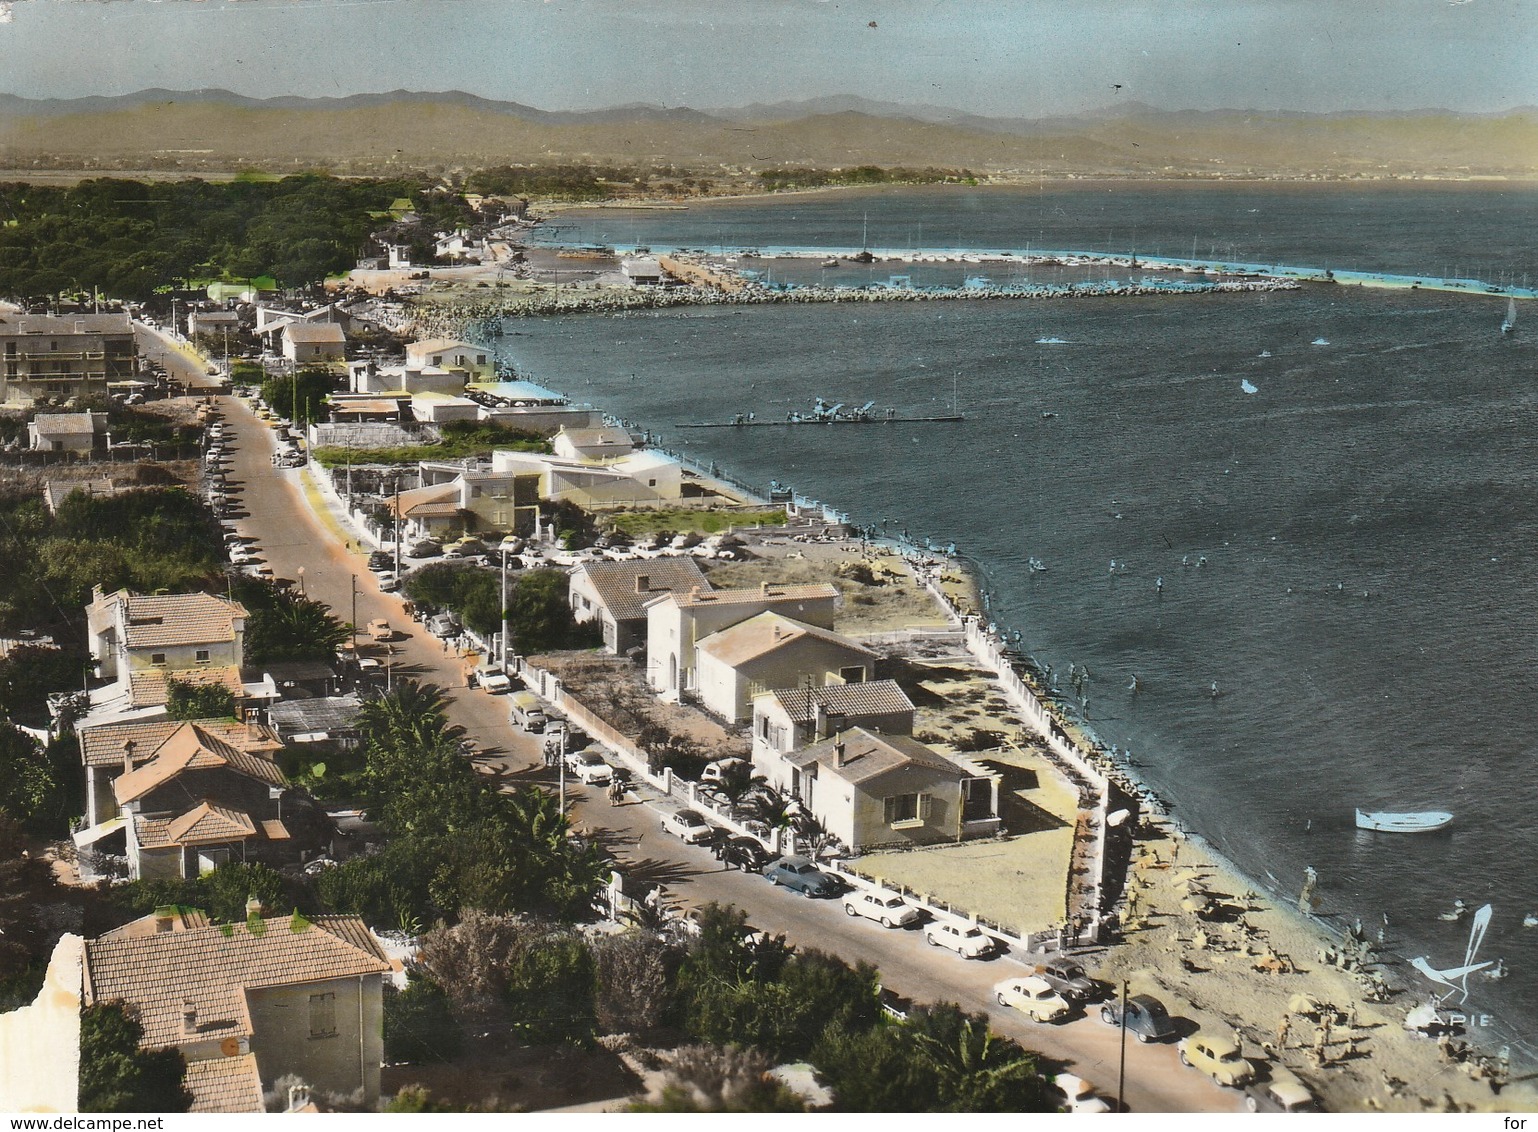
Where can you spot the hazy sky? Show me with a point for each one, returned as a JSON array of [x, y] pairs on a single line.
[[1027, 58]]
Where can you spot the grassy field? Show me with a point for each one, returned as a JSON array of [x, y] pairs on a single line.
[[681, 519]]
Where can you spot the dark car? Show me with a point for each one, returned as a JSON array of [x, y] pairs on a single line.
[[1147, 1020], [745, 853], [800, 874], [379, 560]]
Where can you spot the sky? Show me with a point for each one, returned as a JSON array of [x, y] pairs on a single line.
[[1010, 58]]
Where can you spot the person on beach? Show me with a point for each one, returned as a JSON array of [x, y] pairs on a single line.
[[1283, 1031]]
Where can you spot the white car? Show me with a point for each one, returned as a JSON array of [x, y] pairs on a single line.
[[716, 771], [966, 940], [886, 908], [1033, 996], [1079, 1094], [687, 825], [589, 767], [493, 681]]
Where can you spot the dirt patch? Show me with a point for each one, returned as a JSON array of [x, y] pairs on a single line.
[[615, 690], [495, 1075], [880, 593]]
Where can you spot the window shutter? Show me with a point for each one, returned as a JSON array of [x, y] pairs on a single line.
[[889, 807], [924, 800]]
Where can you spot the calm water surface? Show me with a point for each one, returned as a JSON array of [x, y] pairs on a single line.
[[1366, 518]]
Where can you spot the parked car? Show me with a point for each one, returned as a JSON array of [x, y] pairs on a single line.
[[589, 767], [801, 875], [1281, 1092], [745, 853], [444, 625], [1147, 1020], [1069, 979], [493, 680], [1217, 1057], [379, 630], [1033, 996], [886, 908], [718, 770], [427, 548], [1078, 1094], [389, 583], [379, 560], [966, 940], [525, 710], [687, 825]]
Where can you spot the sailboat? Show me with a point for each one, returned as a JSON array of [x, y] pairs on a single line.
[[1510, 322]]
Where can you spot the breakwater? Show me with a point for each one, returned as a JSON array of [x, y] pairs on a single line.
[[448, 314]]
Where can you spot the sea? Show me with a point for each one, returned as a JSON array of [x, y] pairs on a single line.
[[1305, 522]]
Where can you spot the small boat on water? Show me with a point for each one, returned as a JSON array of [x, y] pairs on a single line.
[[1383, 821], [1510, 322]]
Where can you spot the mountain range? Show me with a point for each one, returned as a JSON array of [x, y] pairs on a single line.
[[211, 131]]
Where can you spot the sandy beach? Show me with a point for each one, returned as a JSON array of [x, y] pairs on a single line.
[[1197, 934]]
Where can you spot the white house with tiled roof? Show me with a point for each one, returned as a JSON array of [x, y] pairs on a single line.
[[65, 432], [249, 1003], [768, 651], [312, 343], [872, 790], [787, 719], [676, 622], [472, 362], [141, 643], [615, 595]]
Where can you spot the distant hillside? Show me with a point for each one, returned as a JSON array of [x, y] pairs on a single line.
[[216, 131]]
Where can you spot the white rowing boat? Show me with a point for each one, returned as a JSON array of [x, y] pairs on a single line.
[[1384, 822]]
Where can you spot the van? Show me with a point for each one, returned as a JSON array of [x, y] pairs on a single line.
[[525, 711]]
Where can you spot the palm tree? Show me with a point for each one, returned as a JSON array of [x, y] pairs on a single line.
[[811, 835], [976, 1068], [737, 781], [775, 810], [411, 713]]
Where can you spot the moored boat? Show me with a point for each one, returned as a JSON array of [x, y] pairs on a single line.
[[1425, 821]]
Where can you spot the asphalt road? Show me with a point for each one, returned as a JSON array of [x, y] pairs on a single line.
[[287, 534]]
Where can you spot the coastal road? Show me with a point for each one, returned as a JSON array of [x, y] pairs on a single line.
[[289, 534]]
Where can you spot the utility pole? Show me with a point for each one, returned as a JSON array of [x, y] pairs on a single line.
[[397, 524], [1121, 1076], [504, 607], [354, 641]]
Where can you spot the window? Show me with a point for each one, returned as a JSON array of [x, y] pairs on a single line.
[[323, 1015], [854, 675], [157, 658], [902, 810], [202, 656]]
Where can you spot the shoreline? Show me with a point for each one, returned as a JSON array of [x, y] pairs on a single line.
[[1249, 1000]]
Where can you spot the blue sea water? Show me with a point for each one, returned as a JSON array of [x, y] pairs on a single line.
[[1348, 552]]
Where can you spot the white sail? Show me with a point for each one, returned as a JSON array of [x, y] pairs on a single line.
[[1511, 317]]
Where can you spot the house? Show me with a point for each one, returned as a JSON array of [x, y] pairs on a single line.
[[872, 790], [65, 432], [314, 343], [56, 492], [615, 595], [428, 512], [322, 719], [641, 271], [141, 643], [368, 376], [73, 356], [213, 323], [249, 1003], [787, 719], [592, 444], [768, 651], [474, 363], [186, 797], [676, 622]]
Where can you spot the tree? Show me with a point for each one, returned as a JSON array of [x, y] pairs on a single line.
[[418, 1024], [28, 674], [286, 625], [198, 701], [540, 617], [977, 1070], [632, 976], [116, 1075], [706, 1078], [300, 397], [29, 790]]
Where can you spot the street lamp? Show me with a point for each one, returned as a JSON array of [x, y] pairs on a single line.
[[1121, 1077], [301, 581], [504, 548]]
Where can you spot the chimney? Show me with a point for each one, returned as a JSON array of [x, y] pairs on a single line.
[[253, 906], [189, 1018], [763, 588], [164, 921], [776, 630], [643, 583], [838, 754], [819, 721], [128, 755], [253, 728]]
